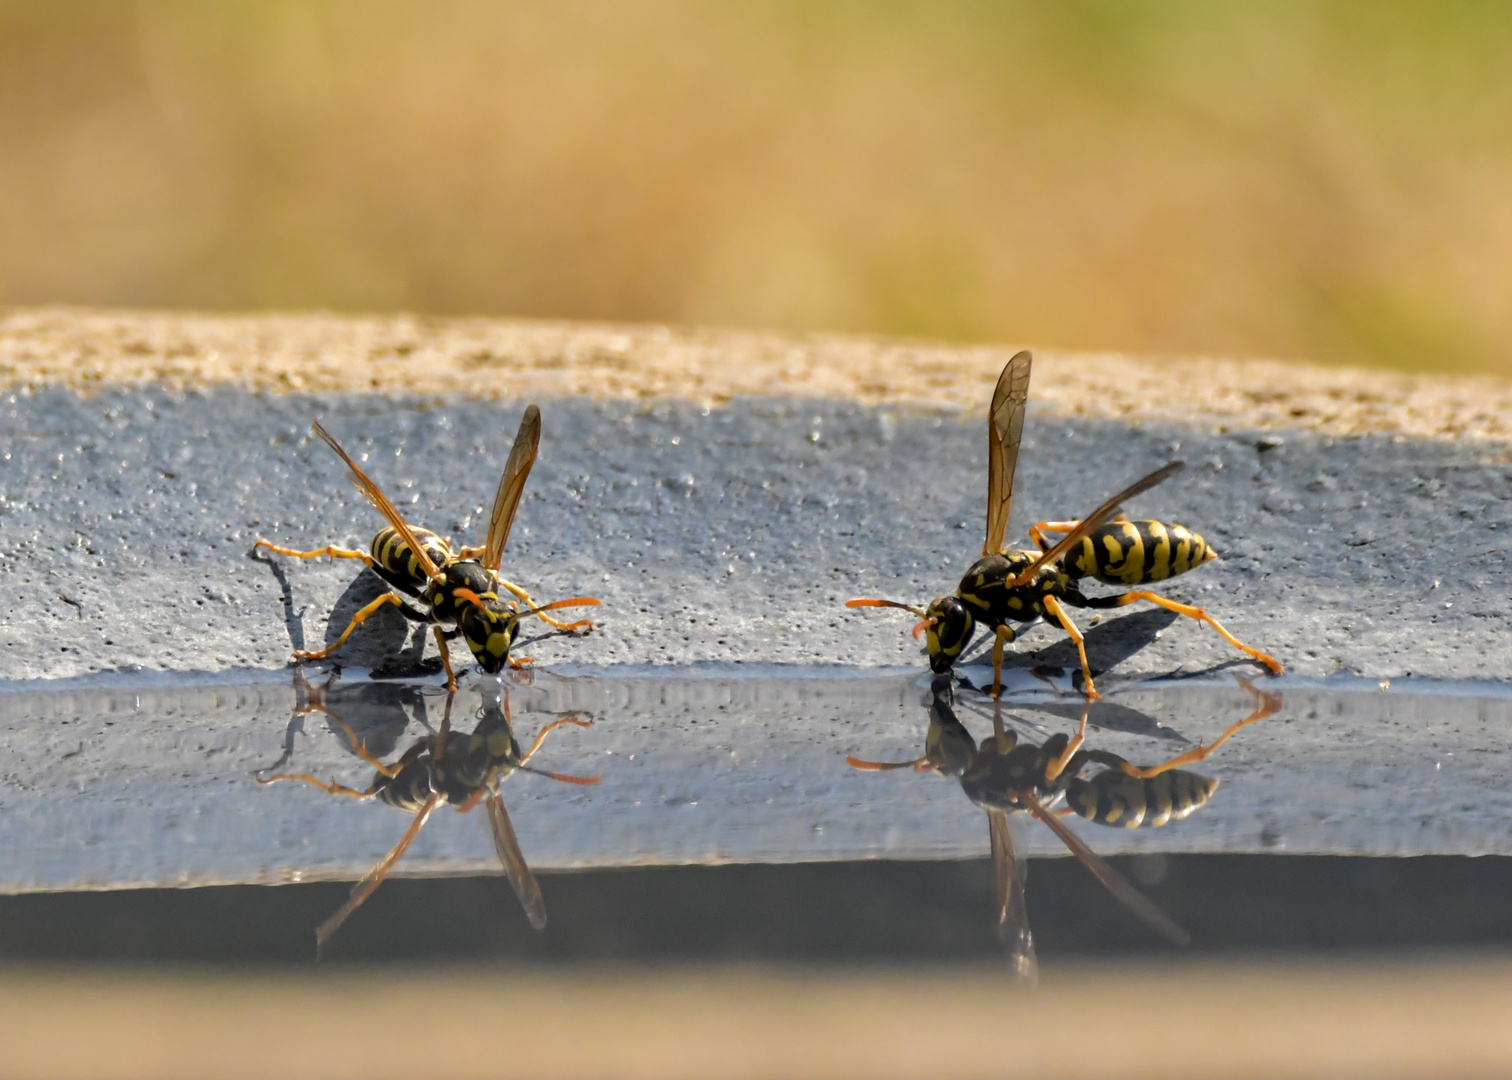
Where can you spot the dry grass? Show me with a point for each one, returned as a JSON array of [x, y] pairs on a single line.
[[1322, 181]]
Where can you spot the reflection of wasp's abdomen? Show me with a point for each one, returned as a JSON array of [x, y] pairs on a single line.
[[1133, 552], [408, 788], [1113, 797]]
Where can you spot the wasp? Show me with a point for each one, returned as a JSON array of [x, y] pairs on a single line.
[[1004, 587], [451, 767], [1006, 777], [421, 565]]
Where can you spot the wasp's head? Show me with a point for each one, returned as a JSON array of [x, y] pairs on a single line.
[[948, 626], [488, 625]]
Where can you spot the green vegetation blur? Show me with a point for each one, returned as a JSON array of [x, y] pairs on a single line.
[[1326, 181]]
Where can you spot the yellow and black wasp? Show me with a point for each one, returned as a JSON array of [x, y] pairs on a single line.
[[460, 589], [1004, 777], [1004, 587], [452, 767]]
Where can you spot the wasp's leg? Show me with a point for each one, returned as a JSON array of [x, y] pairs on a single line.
[[1266, 705], [1002, 635], [330, 549], [451, 678], [357, 620], [331, 788], [1058, 765], [361, 751], [524, 598], [1037, 531], [547, 730], [1053, 606], [1192, 613]]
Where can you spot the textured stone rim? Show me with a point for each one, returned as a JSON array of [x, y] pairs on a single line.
[[308, 353]]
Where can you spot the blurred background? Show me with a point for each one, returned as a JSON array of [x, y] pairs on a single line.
[[1329, 181]]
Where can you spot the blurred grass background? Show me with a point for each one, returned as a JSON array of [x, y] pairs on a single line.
[[1330, 181]]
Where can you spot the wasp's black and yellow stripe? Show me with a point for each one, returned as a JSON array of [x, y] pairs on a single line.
[[1113, 797], [1134, 552], [396, 563]]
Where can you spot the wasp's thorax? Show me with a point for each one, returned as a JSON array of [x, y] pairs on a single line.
[[1002, 770], [949, 632], [478, 760], [458, 574]]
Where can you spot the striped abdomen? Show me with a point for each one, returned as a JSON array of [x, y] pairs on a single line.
[[1113, 797], [1134, 552], [397, 564], [411, 787]]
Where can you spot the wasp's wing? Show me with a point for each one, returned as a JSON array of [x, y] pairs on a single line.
[[1096, 518], [1005, 430], [1008, 901], [1112, 880], [512, 486], [374, 877], [380, 502], [520, 878]]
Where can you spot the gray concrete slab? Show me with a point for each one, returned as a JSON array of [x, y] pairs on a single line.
[[154, 785], [729, 535]]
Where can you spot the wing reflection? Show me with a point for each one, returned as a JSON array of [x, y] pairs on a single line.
[[444, 766], [1013, 780]]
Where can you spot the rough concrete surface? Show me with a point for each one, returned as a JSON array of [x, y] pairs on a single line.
[[731, 534]]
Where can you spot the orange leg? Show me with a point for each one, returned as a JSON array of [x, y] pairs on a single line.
[[357, 620], [1267, 704], [445, 732], [1201, 616], [1058, 766], [451, 678], [1053, 606], [528, 602], [330, 549], [332, 788], [1003, 635], [360, 750], [547, 730], [1037, 531]]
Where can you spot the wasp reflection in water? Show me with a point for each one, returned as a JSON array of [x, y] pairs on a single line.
[[444, 766], [1005, 777]]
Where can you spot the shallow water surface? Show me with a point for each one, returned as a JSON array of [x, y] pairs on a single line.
[[123, 784]]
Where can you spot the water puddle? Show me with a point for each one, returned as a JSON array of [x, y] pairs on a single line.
[[117, 787]]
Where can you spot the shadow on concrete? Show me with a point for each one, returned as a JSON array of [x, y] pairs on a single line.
[[293, 620], [1109, 716], [1109, 644], [388, 643]]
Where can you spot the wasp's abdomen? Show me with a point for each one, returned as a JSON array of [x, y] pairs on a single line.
[[409, 789], [1134, 552], [1113, 797], [391, 553]]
